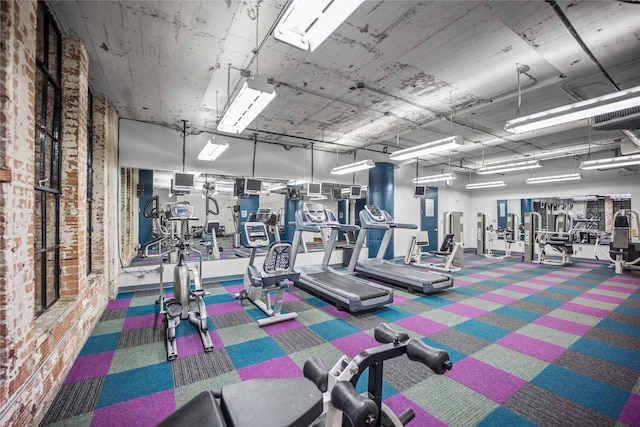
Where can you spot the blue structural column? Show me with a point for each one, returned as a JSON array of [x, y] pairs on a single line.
[[343, 212], [145, 192], [248, 205], [380, 193], [290, 208]]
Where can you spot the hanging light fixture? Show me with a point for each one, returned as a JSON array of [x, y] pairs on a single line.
[[610, 163], [580, 110], [428, 148], [509, 167], [553, 178], [213, 149], [305, 24], [489, 184], [353, 167], [433, 178], [253, 97]]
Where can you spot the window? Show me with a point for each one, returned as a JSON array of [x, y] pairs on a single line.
[[89, 182], [47, 161]]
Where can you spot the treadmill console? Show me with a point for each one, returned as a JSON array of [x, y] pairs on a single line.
[[179, 211], [256, 234], [375, 212]]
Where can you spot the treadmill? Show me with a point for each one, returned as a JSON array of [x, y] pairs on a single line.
[[401, 275], [346, 291]]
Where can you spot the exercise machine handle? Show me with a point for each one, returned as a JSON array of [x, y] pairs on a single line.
[[315, 370], [434, 358], [384, 334], [153, 213], [360, 410], [214, 211]]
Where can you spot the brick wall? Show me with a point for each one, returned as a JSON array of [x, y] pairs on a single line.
[[37, 353]]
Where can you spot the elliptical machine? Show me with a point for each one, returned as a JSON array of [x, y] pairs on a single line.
[[178, 308], [277, 275]]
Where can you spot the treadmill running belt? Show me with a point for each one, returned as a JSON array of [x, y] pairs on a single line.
[[408, 271], [346, 283]]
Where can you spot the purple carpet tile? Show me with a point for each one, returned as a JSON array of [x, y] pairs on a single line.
[[531, 346], [91, 366], [563, 325], [500, 299], [284, 326], [522, 289], [144, 321], [631, 412], [628, 279], [421, 325], [225, 307], [119, 303], [191, 344], [542, 282], [584, 309], [145, 411], [280, 367], [464, 310], [354, 344], [399, 403], [487, 380]]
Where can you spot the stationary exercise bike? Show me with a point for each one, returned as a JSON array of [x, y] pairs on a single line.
[[178, 308], [277, 275], [324, 398]]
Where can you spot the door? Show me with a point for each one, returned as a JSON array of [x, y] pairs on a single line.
[[429, 217]]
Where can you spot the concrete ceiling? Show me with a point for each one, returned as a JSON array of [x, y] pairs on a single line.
[[393, 75]]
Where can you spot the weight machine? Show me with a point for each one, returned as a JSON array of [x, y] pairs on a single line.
[[452, 248], [487, 233], [179, 307], [624, 249], [558, 236]]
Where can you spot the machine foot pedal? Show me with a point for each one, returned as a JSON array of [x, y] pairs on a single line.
[[174, 309]]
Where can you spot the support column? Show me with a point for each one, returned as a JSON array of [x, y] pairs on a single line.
[[380, 192]]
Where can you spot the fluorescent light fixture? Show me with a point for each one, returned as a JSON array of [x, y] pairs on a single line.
[[580, 110], [305, 24], [508, 167], [253, 97], [353, 167], [213, 149], [428, 148], [319, 198], [433, 178], [297, 182], [277, 186], [489, 184], [610, 163], [553, 178]]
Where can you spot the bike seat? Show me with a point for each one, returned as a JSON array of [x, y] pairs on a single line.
[[271, 403]]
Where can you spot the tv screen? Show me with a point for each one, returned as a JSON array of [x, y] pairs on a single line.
[[420, 191], [356, 192], [252, 186], [314, 189], [183, 180]]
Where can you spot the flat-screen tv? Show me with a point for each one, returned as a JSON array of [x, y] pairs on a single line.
[[420, 191], [252, 186], [314, 189], [183, 181], [356, 192]]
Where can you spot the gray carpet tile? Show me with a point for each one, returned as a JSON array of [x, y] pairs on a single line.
[[141, 336], [605, 371], [413, 306], [116, 313], [298, 340], [614, 338], [460, 341], [209, 285], [453, 296], [364, 321], [556, 296], [548, 409], [624, 318], [146, 293], [201, 366], [529, 306], [479, 287], [231, 319], [297, 306], [570, 287], [74, 399], [402, 373], [505, 322], [635, 303]]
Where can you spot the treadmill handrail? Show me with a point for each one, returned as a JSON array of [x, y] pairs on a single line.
[[407, 226]]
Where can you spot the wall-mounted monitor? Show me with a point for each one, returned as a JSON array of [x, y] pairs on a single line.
[[252, 186], [420, 191], [314, 189], [356, 192], [182, 182]]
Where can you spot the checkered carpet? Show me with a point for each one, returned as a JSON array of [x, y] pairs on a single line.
[[530, 345]]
